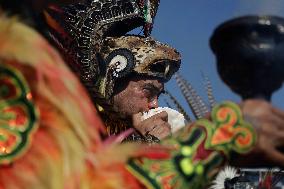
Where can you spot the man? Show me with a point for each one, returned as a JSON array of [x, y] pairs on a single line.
[[138, 90], [125, 75]]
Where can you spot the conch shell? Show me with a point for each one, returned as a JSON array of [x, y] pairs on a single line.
[[175, 119]]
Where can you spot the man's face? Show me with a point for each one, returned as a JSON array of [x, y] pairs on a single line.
[[137, 94]]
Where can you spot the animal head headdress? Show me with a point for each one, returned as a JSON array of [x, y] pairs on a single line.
[[93, 37]]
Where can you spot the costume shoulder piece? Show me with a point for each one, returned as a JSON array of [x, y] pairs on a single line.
[[18, 117], [44, 141]]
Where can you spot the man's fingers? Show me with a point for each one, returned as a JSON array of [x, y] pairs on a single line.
[[278, 112], [278, 122], [270, 122], [162, 115], [161, 131], [159, 124], [156, 125], [279, 139]]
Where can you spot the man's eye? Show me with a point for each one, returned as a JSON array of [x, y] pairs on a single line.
[[148, 92]]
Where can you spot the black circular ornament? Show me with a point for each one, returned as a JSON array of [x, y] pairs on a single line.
[[120, 62]]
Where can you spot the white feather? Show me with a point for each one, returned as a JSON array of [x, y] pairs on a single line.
[[226, 173]]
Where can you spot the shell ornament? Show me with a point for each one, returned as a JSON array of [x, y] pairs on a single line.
[[120, 62]]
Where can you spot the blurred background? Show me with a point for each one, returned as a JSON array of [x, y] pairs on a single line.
[[188, 24]]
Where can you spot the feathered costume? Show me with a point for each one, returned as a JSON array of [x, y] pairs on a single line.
[[50, 130]]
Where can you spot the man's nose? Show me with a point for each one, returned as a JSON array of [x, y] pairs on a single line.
[[153, 103]]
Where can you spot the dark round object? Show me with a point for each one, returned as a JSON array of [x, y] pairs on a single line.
[[120, 62], [250, 54]]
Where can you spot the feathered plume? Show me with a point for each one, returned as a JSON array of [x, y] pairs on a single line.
[[209, 90], [195, 102], [227, 173]]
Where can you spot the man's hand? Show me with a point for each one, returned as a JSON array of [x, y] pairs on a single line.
[[156, 125], [269, 125]]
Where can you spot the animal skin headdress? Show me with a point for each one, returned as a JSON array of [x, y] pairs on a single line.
[[93, 37]]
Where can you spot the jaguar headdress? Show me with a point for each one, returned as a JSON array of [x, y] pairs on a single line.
[[92, 35]]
